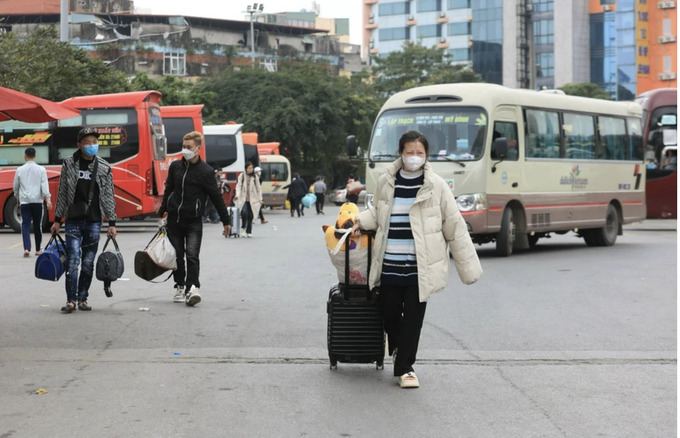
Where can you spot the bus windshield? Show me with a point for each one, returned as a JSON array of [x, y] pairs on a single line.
[[274, 172], [221, 150], [453, 133]]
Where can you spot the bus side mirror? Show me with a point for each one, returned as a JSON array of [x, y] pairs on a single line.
[[351, 145], [499, 149]]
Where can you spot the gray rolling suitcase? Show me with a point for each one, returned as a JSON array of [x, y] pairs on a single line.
[[235, 222]]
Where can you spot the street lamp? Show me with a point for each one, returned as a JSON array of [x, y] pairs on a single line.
[[252, 10]]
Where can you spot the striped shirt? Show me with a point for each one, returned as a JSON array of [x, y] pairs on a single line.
[[399, 265]]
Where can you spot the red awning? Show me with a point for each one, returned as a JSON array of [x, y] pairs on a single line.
[[15, 105]]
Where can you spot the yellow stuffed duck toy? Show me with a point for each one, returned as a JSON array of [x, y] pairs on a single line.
[[335, 242]]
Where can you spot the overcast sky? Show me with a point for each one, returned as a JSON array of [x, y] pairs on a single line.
[[233, 9]]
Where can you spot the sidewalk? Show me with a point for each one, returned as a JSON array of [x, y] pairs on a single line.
[[653, 225]]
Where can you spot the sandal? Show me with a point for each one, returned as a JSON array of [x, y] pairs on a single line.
[[409, 380], [69, 307], [83, 306]]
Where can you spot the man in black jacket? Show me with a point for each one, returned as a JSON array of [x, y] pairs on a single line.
[[190, 182]]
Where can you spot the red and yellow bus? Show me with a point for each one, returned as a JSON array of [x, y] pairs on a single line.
[[131, 139], [660, 128]]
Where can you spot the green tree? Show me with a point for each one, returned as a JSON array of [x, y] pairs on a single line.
[[585, 89], [174, 90], [416, 65], [309, 111], [43, 66]]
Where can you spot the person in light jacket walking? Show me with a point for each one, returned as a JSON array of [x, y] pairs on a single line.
[[416, 220], [248, 198], [30, 188]]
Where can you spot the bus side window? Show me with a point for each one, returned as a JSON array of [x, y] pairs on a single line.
[[509, 131], [533, 146]]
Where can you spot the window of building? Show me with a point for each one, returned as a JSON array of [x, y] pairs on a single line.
[[542, 5], [428, 5], [458, 55], [667, 26], [458, 4], [667, 64], [459, 28], [393, 33], [175, 63], [544, 31], [398, 8], [428, 31], [545, 65]]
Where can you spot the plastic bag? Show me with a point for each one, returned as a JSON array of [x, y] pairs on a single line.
[[161, 250]]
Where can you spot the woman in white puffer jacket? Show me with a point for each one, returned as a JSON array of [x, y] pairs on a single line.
[[416, 220]]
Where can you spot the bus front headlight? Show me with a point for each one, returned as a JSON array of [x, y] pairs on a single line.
[[473, 202]]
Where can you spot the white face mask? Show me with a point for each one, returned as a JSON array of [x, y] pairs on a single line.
[[188, 154], [412, 162]]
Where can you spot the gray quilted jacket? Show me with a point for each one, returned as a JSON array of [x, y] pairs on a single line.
[[69, 180]]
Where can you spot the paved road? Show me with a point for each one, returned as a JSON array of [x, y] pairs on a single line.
[[561, 341]]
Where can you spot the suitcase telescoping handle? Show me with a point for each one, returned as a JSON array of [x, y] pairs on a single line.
[[370, 235]]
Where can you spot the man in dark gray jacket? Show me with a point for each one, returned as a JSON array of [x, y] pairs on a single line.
[[190, 182], [85, 197]]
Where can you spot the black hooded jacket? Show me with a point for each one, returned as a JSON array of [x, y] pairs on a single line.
[[187, 189]]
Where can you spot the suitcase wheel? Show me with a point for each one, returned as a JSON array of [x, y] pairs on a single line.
[[380, 365], [334, 364]]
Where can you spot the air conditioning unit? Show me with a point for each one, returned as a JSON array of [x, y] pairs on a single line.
[[370, 17], [666, 38], [606, 8], [371, 21], [442, 14], [411, 18], [666, 5], [666, 76], [442, 40]]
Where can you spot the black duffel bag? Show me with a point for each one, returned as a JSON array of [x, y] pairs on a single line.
[[110, 266]]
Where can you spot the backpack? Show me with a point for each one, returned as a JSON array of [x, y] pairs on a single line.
[[50, 265], [109, 266]]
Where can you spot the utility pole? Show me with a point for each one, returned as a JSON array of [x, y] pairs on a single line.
[[252, 10], [63, 22]]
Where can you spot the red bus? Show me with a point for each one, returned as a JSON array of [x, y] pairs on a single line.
[[131, 139], [179, 120], [659, 120]]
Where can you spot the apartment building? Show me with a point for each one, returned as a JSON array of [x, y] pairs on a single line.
[[625, 46]]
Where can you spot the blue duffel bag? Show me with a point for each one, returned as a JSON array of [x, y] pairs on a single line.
[[50, 265]]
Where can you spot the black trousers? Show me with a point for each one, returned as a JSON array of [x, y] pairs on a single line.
[[403, 317], [186, 238], [319, 202]]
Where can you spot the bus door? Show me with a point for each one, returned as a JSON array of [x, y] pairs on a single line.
[[159, 145], [505, 172]]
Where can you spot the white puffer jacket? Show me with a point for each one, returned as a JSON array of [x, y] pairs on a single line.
[[436, 224]]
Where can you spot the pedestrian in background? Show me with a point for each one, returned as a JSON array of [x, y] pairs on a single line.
[[320, 192], [296, 191], [248, 198], [190, 182], [82, 174], [417, 221], [31, 188], [258, 173]]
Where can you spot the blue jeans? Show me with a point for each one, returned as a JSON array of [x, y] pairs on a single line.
[[31, 213], [186, 238], [82, 243]]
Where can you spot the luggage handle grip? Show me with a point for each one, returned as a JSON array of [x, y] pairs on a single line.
[[370, 234]]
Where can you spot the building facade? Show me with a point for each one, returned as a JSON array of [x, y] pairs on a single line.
[[189, 47], [625, 46]]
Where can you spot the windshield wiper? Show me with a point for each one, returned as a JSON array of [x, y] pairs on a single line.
[[462, 164]]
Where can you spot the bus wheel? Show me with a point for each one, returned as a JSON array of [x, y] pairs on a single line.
[[506, 236], [589, 237], [606, 236], [13, 214]]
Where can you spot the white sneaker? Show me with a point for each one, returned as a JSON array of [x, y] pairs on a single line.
[[409, 380], [248, 235], [193, 297], [243, 233], [179, 294]]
